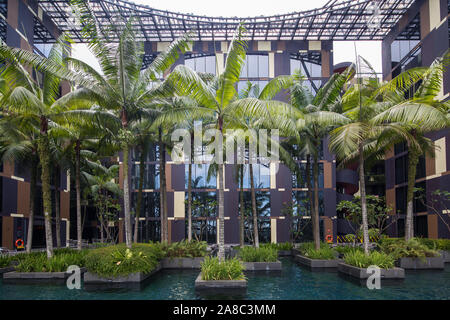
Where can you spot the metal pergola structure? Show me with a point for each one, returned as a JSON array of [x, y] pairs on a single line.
[[337, 20]]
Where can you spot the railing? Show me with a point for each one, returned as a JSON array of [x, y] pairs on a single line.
[[351, 239]]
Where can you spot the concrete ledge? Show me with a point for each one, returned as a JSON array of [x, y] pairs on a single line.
[[37, 277], [445, 255], [138, 277], [181, 263], [219, 285], [284, 253], [421, 264], [361, 273], [5, 270], [317, 263], [262, 266]]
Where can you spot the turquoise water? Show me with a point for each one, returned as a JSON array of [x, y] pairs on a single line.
[[293, 283]]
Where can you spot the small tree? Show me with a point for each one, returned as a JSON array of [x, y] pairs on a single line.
[[377, 213]]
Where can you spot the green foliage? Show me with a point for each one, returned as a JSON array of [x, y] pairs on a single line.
[[347, 249], [185, 249], [358, 259], [5, 261], [118, 260], [285, 246], [231, 269], [413, 248], [262, 254], [325, 252], [38, 261]]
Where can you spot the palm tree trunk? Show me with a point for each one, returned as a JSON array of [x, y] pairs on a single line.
[[189, 208], [362, 184], [308, 184], [315, 212], [221, 200], [78, 192], [241, 206], [139, 199], [413, 160], [163, 197], [254, 212], [126, 197], [57, 208], [32, 196], [44, 156]]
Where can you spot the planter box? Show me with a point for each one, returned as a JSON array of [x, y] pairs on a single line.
[[418, 264], [361, 273], [138, 277], [284, 253], [37, 277], [220, 285], [317, 263], [445, 255], [181, 263], [262, 266], [5, 270]]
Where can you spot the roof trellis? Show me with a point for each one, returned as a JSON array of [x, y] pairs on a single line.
[[337, 20]]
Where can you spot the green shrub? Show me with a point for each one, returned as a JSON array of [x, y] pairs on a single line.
[[306, 246], [38, 261], [262, 254], [119, 260], [413, 248], [185, 249], [231, 269], [346, 249], [5, 261], [358, 259], [325, 253], [285, 246], [443, 244], [435, 244]]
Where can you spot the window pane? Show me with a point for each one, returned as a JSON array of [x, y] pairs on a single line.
[[211, 64], [316, 70], [263, 66], [244, 73], [253, 66]]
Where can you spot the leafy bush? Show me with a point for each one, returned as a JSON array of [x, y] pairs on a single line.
[[436, 244], [443, 244], [325, 253], [412, 248], [346, 249], [231, 269], [38, 261], [185, 249], [358, 259], [262, 254], [5, 261], [285, 246], [119, 260]]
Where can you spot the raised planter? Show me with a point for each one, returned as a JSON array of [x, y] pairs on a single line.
[[220, 286], [317, 263], [37, 277], [5, 269], [262, 266], [421, 264], [361, 273], [181, 263], [445, 255], [137, 277]]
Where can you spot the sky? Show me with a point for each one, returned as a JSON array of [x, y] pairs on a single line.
[[344, 51]]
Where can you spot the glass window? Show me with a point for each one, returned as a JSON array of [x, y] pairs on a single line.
[[301, 203], [200, 177], [401, 169], [151, 176], [261, 176], [263, 63], [204, 204], [201, 64], [263, 212], [150, 207], [204, 230], [400, 200], [302, 183], [255, 66]]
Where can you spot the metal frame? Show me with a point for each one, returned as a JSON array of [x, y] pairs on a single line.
[[337, 20]]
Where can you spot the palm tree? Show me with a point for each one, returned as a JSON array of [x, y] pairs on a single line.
[[309, 123], [218, 100], [122, 86], [364, 137], [423, 112], [39, 101]]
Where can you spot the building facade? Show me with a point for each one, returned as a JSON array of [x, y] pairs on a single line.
[[412, 33]]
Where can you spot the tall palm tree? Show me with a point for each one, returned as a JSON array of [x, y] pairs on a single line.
[[218, 100], [40, 101], [422, 112], [364, 137], [122, 86]]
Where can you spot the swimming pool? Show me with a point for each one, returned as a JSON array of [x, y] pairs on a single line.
[[293, 283]]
